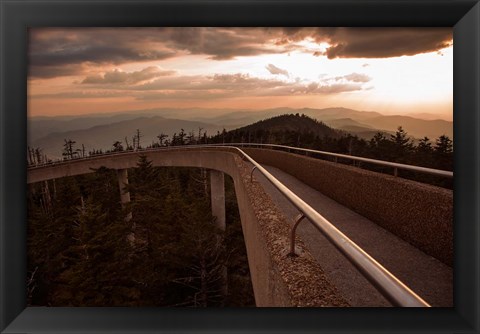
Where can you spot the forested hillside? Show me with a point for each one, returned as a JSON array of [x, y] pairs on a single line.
[[299, 131], [286, 128], [303, 131], [83, 252]]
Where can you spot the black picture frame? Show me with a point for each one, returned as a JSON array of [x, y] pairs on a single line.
[[18, 15]]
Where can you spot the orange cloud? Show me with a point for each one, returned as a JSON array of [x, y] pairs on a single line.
[[119, 77]]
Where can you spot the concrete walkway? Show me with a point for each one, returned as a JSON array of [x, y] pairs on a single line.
[[428, 277]]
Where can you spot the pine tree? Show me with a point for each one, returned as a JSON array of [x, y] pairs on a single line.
[[181, 137], [161, 137], [402, 146], [117, 146], [443, 152], [444, 145], [380, 147]]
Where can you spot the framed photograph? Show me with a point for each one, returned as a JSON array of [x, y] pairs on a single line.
[[246, 103]]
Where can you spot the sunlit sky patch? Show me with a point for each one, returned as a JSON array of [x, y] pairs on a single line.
[[405, 71]]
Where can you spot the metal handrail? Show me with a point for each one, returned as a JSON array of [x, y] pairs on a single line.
[[384, 281], [395, 165]]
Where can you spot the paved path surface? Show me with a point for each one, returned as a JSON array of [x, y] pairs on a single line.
[[428, 277]]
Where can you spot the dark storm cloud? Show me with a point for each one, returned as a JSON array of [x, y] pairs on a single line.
[[222, 43], [67, 51], [47, 72], [119, 77], [374, 42], [101, 54], [55, 52]]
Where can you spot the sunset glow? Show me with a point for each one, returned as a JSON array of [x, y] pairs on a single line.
[[99, 70]]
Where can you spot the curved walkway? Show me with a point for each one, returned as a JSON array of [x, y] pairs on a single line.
[[425, 275]]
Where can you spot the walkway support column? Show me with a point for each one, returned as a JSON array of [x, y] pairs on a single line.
[[122, 175], [217, 195]]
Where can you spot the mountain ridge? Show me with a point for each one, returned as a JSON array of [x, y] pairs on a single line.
[[103, 136], [42, 132], [291, 123]]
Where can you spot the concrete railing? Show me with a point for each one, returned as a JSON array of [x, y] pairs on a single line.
[[411, 210], [395, 165]]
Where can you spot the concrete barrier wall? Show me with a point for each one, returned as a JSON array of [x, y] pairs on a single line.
[[278, 280], [419, 213], [289, 281]]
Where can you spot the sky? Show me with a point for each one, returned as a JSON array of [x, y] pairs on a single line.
[[404, 71]]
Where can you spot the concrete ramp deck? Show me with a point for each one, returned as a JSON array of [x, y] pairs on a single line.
[[427, 276]]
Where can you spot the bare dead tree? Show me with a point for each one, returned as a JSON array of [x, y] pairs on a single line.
[[138, 136], [200, 135], [128, 147]]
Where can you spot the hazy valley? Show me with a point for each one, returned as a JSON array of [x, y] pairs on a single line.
[[101, 131]]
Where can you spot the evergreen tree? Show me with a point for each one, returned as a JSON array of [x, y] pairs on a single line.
[[117, 146], [443, 152], [444, 145], [424, 152], [380, 147], [161, 137], [402, 146], [181, 137]]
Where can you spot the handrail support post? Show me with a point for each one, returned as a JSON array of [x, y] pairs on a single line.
[[298, 219], [251, 173]]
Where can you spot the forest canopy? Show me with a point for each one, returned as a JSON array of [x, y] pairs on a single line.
[[82, 251]]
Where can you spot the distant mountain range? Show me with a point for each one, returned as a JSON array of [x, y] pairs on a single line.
[[103, 136], [100, 131]]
